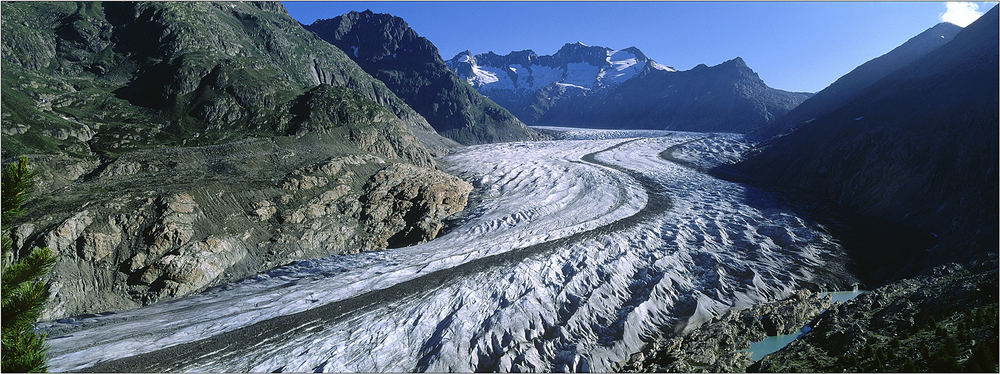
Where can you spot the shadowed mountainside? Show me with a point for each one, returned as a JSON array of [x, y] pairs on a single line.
[[860, 78], [918, 147]]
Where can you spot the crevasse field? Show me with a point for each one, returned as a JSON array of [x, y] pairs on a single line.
[[573, 253]]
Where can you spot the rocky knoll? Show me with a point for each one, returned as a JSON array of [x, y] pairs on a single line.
[[405, 204], [721, 345]]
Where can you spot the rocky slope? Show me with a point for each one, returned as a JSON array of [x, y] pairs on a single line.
[[942, 321], [860, 78], [388, 49], [918, 147], [590, 86], [214, 72], [182, 145], [721, 345]]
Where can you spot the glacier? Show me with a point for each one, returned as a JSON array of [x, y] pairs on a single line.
[[575, 252]]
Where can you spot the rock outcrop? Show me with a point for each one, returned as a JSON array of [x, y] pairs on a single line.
[[405, 204], [943, 320]]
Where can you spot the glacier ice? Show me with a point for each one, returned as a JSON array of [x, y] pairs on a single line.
[[561, 266]]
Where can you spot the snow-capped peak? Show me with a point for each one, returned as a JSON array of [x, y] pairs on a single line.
[[574, 65]]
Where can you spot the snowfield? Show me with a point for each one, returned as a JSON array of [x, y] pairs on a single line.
[[576, 252], [617, 67]]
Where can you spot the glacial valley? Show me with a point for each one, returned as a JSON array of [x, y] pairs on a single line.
[[573, 254]]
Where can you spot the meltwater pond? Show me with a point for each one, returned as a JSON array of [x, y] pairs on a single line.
[[579, 252], [773, 344]]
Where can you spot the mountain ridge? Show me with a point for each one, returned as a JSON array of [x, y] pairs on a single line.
[[388, 49], [594, 86], [918, 147], [863, 76]]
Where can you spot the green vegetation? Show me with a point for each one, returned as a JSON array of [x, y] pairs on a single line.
[[963, 342], [23, 295], [84, 80]]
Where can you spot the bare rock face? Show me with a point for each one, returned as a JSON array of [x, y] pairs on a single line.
[[941, 320], [404, 204], [175, 225], [194, 266], [64, 237]]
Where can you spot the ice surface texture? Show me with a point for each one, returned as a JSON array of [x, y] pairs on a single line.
[[578, 252]]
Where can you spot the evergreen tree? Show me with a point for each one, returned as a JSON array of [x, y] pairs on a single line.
[[22, 294]]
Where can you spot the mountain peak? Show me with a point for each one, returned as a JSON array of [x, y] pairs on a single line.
[[578, 46], [943, 30], [737, 62]]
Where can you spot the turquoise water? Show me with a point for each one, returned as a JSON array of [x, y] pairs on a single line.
[[772, 344]]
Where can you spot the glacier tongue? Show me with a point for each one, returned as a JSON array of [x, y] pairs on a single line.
[[579, 252]]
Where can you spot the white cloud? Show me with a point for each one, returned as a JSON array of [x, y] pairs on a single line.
[[961, 14]]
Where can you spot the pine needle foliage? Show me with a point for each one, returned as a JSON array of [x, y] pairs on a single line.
[[22, 293], [17, 185]]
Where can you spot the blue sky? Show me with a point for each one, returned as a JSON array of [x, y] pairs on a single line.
[[797, 46]]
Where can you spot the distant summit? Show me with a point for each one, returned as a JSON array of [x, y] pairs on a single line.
[[575, 65], [594, 86]]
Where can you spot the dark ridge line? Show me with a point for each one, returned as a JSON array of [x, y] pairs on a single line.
[[234, 342]]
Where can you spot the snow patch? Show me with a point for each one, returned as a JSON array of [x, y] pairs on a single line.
[[571, 86], [659, 66]]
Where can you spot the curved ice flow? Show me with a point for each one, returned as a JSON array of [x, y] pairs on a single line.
[[585, 305], [547, 195]]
